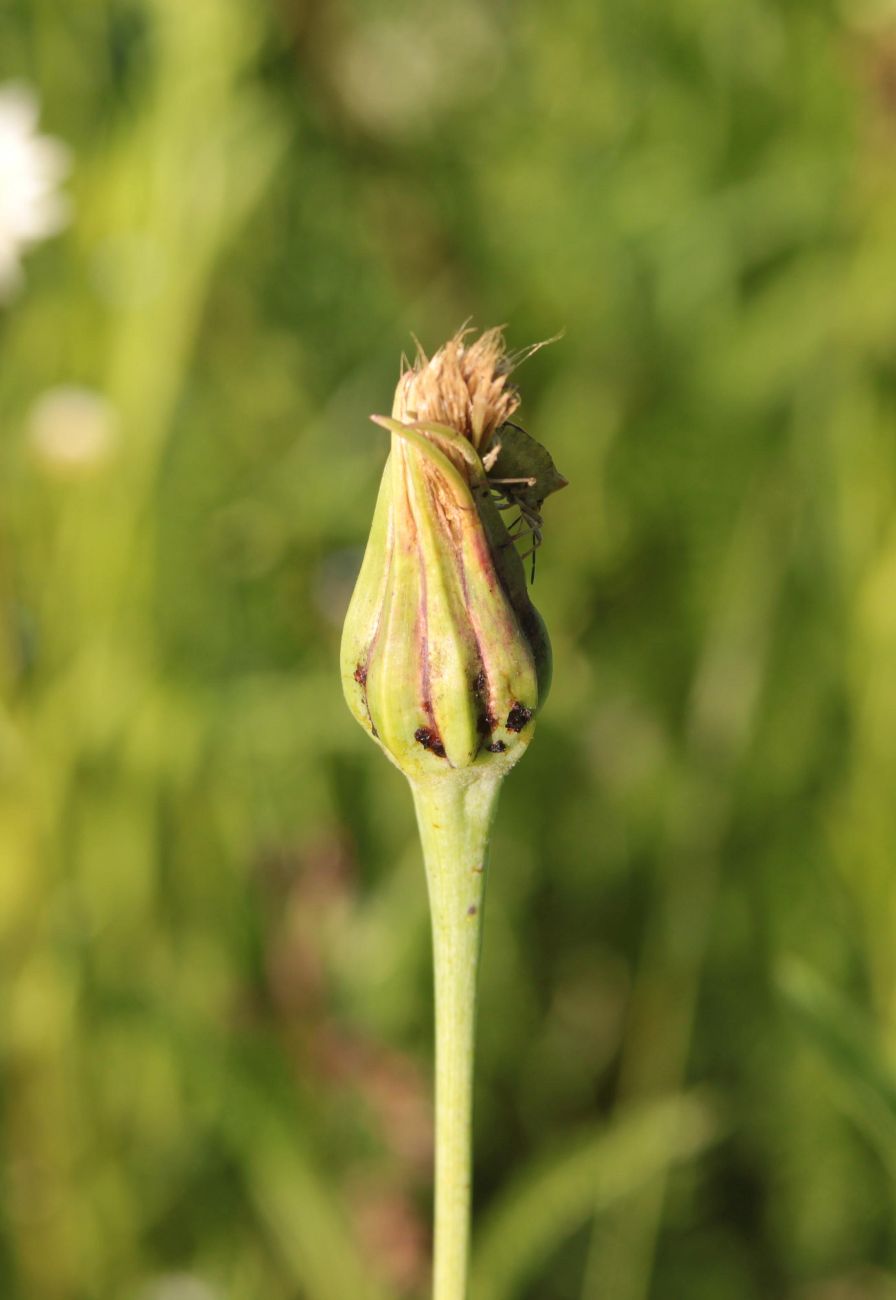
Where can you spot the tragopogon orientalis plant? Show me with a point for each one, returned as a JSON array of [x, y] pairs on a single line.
[[446, 663]]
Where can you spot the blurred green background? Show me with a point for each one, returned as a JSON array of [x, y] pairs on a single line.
[[215, 1008]]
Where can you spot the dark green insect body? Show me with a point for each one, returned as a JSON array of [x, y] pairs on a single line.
[[523, 475]]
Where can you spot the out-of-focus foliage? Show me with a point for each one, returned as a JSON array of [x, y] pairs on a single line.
[[215, 1010]]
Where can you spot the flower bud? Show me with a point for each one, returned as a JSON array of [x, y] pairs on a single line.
[[444, 659]]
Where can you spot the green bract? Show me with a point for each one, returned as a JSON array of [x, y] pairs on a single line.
[[445, 660]]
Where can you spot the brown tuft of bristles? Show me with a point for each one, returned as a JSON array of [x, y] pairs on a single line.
[[464, 385]]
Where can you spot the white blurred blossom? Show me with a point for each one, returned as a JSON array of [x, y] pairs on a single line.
[[72, 430], [31, 167], [179, 1286], [446, 54]]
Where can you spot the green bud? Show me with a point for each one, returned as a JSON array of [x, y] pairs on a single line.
[[445, 660]]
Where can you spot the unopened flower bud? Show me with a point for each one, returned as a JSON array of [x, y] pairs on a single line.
[[445, 661]]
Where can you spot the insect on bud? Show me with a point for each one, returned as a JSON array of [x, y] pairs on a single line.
[[445, 660]]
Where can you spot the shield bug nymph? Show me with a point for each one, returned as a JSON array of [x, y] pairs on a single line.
[[521, 474]]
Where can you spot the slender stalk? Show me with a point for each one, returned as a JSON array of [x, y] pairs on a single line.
[[454, 815]]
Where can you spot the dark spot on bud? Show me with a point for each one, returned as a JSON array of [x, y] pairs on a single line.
[[360, 676], [471, 910], [486, 721], [497, 748], [430, 740], [518, 716]]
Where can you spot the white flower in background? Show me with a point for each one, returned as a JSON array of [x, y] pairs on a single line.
[[179, 1286], [72, 430], [31, 166], [447, 55]]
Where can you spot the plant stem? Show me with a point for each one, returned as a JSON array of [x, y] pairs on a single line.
[[454, 815]]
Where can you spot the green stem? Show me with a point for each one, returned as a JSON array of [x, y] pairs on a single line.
[[454, 815]]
